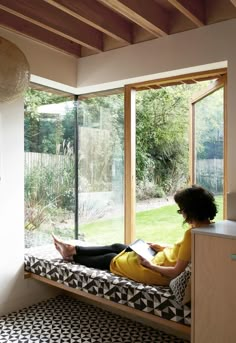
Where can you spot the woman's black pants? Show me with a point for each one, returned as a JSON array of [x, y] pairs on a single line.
[[98, 256]]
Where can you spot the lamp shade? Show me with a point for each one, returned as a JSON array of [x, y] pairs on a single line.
[[14, 71]]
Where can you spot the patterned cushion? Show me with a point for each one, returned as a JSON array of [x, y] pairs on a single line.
[[156, 300], [181, 286]]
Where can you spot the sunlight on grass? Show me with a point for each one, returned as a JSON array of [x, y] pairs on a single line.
[[160, 225], [163, 224], [104, 231], [219, 204]]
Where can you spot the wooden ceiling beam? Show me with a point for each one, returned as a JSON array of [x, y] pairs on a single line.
[[52, 19], [9, 21], [192, 9], [149, 15], [233, 2], [93, 14]]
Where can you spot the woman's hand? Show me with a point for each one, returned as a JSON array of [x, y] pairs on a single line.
[[156, 247], [145, 263], [159, 247]]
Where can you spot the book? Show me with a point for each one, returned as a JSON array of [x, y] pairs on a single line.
[[143, 249]]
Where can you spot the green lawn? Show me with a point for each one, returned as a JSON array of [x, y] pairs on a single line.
[[159, 225]]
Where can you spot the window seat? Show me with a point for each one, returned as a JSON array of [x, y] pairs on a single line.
[[144, 301]]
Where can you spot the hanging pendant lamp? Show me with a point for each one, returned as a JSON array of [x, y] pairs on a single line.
[[14, 71]]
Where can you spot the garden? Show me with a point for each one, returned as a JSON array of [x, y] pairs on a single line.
[[56, 166]]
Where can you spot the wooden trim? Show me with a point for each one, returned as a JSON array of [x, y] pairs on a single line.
[[92, 13], [56, 21], [192, 144], [193, 10], [39, 34], [130, 161], [219, 83], [152, 17], [175, 80], [130, 130], [225, 149], [27, 275], [156, 322], [233, 2]]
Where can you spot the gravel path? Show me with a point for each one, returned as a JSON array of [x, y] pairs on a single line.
[[153, 203], [142, 205]]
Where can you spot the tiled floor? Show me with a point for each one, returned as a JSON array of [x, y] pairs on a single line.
[[64, 319]]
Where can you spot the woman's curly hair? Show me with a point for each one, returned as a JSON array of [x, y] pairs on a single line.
[[197, 203]]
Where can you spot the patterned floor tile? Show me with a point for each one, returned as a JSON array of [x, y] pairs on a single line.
[[66, 320]]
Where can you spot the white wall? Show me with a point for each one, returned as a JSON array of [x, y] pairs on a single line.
[[15, 292], [195, 50]]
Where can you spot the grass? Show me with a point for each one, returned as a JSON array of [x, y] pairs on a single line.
[[159, 225]]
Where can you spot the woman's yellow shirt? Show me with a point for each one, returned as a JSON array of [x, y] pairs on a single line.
[[127, 263]]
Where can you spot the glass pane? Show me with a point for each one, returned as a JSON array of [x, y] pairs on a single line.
[[49, 167], [101, 169], [209, 145], [162, 153]]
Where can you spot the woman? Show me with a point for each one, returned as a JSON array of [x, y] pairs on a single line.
[[198, 209]]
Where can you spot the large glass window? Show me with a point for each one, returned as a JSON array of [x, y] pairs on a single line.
[[74, 190], [101, 168], [163, 152], [208, 141], [49, 167], [74, 161]]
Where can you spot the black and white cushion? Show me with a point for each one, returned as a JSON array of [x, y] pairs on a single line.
[[156, 300], [181, 286]]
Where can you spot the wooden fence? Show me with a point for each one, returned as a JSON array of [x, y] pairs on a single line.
[[37, 160], [210, 174]]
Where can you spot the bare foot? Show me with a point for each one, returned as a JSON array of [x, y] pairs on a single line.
[[66, 250]]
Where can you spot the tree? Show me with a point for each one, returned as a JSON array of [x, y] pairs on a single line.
[[101, 141], [162, 136], [43, 133], [210, 126]]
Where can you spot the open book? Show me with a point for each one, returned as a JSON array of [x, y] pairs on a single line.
[[143, 249]]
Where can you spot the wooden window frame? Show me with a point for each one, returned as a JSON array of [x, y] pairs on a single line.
[[130, 137], [218, 84]]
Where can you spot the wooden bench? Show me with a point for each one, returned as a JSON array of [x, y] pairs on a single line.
[[154, 306]]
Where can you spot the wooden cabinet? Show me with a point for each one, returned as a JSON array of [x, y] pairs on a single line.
[[214, 284]]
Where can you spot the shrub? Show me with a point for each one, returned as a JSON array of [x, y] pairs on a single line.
[[148, 189]]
